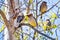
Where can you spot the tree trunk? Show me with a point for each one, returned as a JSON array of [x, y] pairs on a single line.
[[10, 28], [9, 23], [12, 6]]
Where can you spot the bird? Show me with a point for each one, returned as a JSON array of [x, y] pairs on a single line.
[[43, 8], [31, 20], [48, 24], [18, 20]]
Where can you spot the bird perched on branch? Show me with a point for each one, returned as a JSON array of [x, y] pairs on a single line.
[[21, 19], [43, 8], [48, 24], [18, 20], [29, 19]]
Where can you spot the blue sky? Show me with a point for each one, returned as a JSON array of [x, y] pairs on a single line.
[[1, 33], [57, 21]]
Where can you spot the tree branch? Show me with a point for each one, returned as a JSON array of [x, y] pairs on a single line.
[[4, 18], [39, 2], [37, 31], [8, 25]]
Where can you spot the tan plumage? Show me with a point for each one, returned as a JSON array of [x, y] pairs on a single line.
[[31, 20], [43, 8]]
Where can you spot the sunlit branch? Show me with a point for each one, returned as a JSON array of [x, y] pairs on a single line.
[[4, 18]]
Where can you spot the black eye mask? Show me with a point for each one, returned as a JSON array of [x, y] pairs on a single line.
[[20, 18]]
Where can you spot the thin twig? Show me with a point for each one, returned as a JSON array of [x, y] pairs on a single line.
[[38, 2], [36, 20], [25, 3], [25, 33]]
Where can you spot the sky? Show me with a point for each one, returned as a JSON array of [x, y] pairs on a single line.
[[57, 21]]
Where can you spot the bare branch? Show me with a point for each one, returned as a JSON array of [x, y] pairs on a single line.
[[7, 25], [37, 31], [36, 20], [39, 2], [4, 18]]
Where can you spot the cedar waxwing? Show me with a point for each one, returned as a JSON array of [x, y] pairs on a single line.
[[18, 20], [43, 8], [31, 20], [47, 25], [48, 22]]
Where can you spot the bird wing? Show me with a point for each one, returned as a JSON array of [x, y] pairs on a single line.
[[43, 8], [32, 21]]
